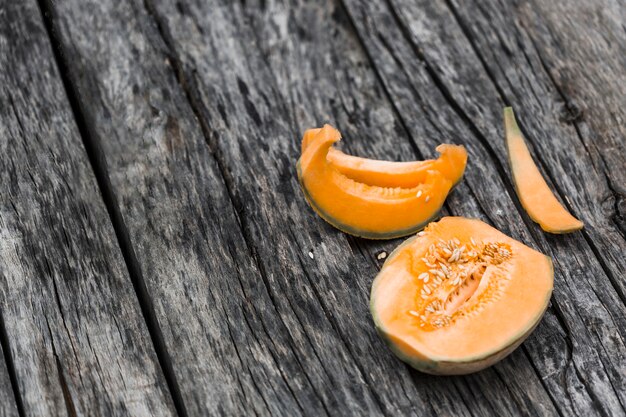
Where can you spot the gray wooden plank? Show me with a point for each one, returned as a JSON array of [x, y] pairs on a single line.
[[303, 327], [255, 74], [8, 404], [350, 96], [594, 93], [587, 69], [427, 62], [582, 153], [230, 353], [76, 336]]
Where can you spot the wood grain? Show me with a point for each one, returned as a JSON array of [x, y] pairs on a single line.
[[229, 353], [75, 333], [436, 56], [437, 100], [194, 111], [8, 404], [278, 67]]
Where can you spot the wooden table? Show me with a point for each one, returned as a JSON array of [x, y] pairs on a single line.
[[158, 258]]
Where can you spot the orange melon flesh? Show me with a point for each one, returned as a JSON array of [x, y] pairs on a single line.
[[532, 190], [362, 209], [451, 164], [460, 327]]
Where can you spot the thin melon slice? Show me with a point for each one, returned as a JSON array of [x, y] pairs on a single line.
[[451, 163], [362, 208], [459, 296], [532, 190]]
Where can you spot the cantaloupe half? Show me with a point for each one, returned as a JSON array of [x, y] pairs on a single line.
[[459, 296], [532, 190], [365, 199]]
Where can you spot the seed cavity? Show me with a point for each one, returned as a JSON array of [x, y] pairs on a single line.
[[460, 280]]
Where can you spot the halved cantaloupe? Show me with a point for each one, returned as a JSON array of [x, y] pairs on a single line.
[[361, 206], [459, 296], [451, 163], [532, 190]]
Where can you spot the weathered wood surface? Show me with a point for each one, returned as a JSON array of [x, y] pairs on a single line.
[[193, 111], [424, 44], [278, 65], [273, 71], [321, 359], [229, 352], [8, 404], [76, 338]]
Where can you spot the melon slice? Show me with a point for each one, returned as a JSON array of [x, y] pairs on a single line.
[[360, 205], [459, 296], [532, 190], [451, 163]]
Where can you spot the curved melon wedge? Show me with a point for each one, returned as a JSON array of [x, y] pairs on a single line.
[[451, 163], [532, 190], [459, 296], [361, 209]]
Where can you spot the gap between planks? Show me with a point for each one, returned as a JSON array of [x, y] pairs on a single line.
[[97, 163], [8, 359]]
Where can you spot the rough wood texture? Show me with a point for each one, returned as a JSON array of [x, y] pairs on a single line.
[[8, 405], [195, 109], [229, 352], [76, 335], [283, 70], [292, 57], [438, 51], [572, 85]]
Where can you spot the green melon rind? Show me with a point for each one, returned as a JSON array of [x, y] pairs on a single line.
[[512, 128], [363, 233], [440, 366]]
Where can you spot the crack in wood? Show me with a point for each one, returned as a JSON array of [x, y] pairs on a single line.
[[521, 212], [541, 379], [467, 32], [255, 105], [10, 366], [196, 106], [98, 165]]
